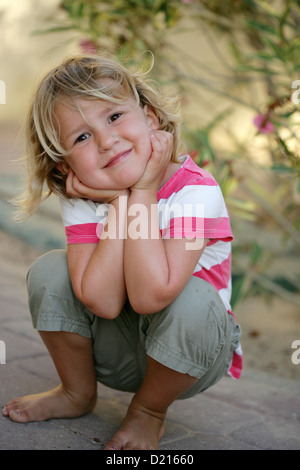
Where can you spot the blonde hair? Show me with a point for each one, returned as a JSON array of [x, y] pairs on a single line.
[[83, 77]]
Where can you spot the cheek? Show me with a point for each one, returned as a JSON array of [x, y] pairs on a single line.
[[83, 162], [84, 172], [146, 146]]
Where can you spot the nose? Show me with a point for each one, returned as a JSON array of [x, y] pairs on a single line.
[[106, 139]]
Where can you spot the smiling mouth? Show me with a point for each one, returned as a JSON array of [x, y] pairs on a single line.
[[118, 158]]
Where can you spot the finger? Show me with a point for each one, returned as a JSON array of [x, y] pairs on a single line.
[[157, 145], [162, 143], [69, 182], [73, 185], [163, 135], [78, 186]]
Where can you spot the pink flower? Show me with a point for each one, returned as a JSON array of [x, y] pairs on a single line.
[[187, 1], [88, 46], [264, 125]]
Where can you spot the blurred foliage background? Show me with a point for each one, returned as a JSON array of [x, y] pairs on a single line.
[[255, 76]]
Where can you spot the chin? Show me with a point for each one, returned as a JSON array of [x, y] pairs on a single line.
[[130, 180]]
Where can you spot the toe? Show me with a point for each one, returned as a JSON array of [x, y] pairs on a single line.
[[114, 444], [16, 415]]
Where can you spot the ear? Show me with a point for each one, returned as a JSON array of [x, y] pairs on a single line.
[[152, 119], [63, 167]]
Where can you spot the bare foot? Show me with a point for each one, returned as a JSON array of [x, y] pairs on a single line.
[[141, 429], [56, 403]]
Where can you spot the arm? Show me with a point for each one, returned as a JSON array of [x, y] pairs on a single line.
[[156, 270], [96, 270]]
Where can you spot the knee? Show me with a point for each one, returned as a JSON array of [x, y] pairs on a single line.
[[49, 271], [192, 332], [197, 301], [204, 319], [197, 316]]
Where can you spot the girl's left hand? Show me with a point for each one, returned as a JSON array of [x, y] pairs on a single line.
[[162, 147], [76, 189]]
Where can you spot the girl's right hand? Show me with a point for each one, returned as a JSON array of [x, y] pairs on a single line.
[[162, 147], [76, 189]]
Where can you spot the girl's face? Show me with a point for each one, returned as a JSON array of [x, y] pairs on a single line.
[[108, 144]]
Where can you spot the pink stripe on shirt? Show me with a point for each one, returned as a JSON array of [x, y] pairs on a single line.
[[218, 275], [82, 233], [184, 227], [236, 367], [189, 174], [197, 227]]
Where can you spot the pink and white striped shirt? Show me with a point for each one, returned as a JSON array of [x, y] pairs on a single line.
[[191, 206]]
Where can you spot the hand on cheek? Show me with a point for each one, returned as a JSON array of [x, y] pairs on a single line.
[[162, 147], [76, 189]]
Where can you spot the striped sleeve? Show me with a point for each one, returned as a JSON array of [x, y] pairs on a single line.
[[191, 205], [83, 220]]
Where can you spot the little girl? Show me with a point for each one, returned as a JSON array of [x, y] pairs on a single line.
[[140, 300]]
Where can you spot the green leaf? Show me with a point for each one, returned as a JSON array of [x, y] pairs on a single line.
[[280, 168], [262, 27], [286, 284], [250, 68], [238, 281], [278, 50], [256, 253], [54, 29], [263, 55], [267, 8], [248, 206]]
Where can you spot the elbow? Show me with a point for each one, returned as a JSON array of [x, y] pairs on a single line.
[[141, 308], [104, 305], [149, 301], [104, 309], [107, 311], [147, 305]]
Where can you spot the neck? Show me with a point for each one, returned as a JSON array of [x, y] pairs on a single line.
[[170, 171]]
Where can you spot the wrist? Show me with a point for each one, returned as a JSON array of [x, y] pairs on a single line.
[[143, 191], [146, 197], [124, 193], [143, 195]]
